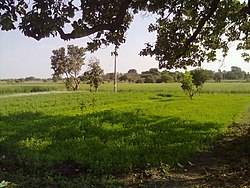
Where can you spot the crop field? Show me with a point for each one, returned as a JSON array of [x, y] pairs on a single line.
[[82, 139], [29, 88], [209, 88]]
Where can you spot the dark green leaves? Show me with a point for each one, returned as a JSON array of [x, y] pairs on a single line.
[[93, 74], [191, 32]]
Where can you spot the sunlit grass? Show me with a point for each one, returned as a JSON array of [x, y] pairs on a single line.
[[29, 88], [209, 88], [110, 133]]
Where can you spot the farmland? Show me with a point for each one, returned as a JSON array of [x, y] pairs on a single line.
[[82, 139], [209, 88]]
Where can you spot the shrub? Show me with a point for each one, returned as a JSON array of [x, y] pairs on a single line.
[[187, 85]]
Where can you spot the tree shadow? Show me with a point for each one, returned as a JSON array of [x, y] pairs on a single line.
[[164, 97], [226, 164], [106, 142]]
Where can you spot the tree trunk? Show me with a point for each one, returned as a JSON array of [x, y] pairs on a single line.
[[77, 83], [96, 89]]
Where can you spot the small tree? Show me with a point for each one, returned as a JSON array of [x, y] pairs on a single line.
[[218, 76], [132, 75], [200, 76], [93, 74], [187, 85], [68, 65]]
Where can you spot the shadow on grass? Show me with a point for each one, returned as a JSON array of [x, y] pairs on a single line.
[[164, 97], [226, 164], [102, 143]]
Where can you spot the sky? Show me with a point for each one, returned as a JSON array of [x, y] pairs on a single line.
[[21, 56]]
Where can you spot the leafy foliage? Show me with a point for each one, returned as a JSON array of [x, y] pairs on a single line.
[[235, 74], [199, 76], [218, 76], [107, 20], [188, 85], [188, 32], [68, 65], [93, 74]]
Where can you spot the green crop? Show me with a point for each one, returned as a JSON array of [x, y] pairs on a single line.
[[107, 134]]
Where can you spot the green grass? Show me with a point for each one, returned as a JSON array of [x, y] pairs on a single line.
[[29, 88], [209, 88], [230, 88], [107, 134]]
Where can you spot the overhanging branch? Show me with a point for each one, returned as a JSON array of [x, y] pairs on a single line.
[[83, 32], [201, 23], [246, 9]]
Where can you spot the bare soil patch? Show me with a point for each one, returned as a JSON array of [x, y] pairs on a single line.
[[227, 164]]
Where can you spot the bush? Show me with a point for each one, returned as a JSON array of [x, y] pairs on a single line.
[[187, 85]]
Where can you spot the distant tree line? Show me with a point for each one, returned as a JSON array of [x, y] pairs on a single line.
[[153, 75], [26, 79], [67, 65], [234, 74]]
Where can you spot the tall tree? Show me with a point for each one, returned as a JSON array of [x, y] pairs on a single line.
[[188, 31], [238, 73], [93, 74], [68, 65]]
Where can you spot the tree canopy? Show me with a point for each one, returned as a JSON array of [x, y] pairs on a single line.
[[188, 31], [69, 64], [200, 76], [187, 84]]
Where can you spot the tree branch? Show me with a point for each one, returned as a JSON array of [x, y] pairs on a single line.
[[248, 12], [201, 23], [122, 13], [84, 32], [246, 9], [110, 26]]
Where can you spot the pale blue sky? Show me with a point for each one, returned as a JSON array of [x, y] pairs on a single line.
[[21, 56]]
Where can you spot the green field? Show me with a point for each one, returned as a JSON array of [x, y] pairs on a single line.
[[105, 135], [209, 88], [6, 89]]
